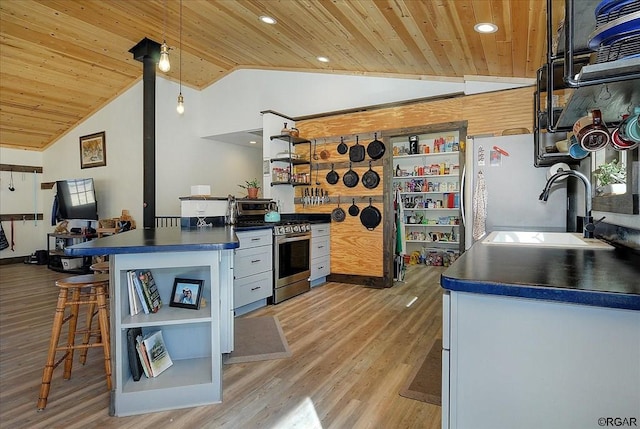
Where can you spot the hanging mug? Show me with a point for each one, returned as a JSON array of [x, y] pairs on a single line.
[[591, 131], [619, 143], [629, 128], [576, 151]]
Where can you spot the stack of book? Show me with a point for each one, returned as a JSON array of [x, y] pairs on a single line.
[[143, 292], [148, 354]]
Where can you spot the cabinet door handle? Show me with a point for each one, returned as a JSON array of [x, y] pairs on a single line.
[[256, 288], [320, 247], [321, 267], [256, 239], [255, 260]]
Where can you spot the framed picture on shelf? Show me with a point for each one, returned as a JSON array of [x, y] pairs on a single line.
[[93, 150], [186, 293]]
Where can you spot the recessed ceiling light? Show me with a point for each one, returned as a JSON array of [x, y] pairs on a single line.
[[252, 142], [323, 59], [485, 27], [267, 19]]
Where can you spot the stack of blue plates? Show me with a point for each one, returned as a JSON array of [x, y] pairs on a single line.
[[617, 33]]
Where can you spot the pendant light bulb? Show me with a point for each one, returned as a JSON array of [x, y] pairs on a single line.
[[180, 107], [164, 65]]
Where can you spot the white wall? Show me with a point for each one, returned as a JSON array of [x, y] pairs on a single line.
[[118, 184], [183, 158]]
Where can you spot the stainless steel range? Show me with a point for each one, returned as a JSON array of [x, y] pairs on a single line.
[[291, 248], [291, 260]]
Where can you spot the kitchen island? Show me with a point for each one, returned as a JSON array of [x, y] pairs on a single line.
[[195, 338], [541, 337]]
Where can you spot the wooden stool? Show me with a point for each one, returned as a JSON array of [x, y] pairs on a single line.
[[100, 267], [90, 289]]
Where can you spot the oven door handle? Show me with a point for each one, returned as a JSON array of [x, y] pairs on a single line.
[[293, 237]]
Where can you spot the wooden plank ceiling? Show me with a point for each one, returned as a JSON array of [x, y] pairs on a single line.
[[62, 60]]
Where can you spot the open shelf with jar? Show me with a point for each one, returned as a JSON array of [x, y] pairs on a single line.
[[426, 184], [287, 167]]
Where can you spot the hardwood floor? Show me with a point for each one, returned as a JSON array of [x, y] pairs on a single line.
[[353, 348]]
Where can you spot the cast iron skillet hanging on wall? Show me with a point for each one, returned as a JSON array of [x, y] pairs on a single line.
[[356, 152], [350, 178], [370, 179], [338, 213], [332, 176], [353, 209], [370, 217], [342, 147], [376, 148]]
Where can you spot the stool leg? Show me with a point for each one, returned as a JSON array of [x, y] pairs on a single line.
[[53, 344], [91, 308], [73, 322], [103, 318]]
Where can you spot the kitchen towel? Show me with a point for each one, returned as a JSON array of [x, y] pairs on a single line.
[[479, 207]]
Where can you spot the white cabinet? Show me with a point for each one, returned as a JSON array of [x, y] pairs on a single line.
[[525, 363], [426, 184], [320, 252], [253, 267], [194, 339]]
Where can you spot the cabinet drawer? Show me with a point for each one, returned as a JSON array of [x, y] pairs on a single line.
[[321, 229], [254, 238], [253, 288], [320, 267], [320, 246], [252, 261]]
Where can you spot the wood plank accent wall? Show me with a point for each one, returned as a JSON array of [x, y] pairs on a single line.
[[355, 250]]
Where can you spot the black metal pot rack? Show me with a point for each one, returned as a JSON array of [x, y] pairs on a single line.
[[611, 85]]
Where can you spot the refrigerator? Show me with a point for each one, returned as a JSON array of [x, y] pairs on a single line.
[[500, 172]]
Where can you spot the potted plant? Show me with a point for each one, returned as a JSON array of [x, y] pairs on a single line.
[[252, 187], [611, 177]]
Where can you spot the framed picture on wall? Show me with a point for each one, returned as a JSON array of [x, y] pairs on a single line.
[[93, 150]]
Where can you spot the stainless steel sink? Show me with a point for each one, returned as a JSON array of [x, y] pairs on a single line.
[[567, 240]]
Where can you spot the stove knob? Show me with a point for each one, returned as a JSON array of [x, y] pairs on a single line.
[[296, 228]]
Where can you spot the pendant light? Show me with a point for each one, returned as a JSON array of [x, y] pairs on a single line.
[[180, 107], [164, 65]]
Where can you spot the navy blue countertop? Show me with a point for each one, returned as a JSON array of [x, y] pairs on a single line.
[[158, 240], [600, 278]]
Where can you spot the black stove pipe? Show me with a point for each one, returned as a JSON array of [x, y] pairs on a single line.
[[148, 52]]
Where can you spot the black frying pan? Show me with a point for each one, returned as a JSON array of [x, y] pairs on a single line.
[[370, 179], [338, 214], [342, 147], [370, 217], [353, 209], [332, 176], [356, 152], [350, 178], [376, 148]]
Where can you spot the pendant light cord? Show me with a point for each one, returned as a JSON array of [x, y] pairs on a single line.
[[180, 107], [180, 60], [164, 25]]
